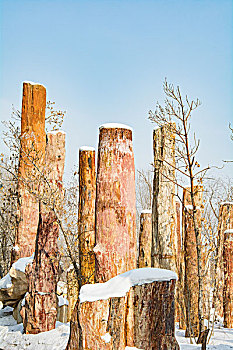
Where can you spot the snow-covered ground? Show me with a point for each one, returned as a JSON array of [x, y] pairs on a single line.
[[12, 337]]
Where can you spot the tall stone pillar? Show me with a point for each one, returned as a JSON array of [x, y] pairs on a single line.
[[115, 250], [225, 222], [32, 150], [228, 279], [191, 285], [41, 301], [164, 240], [86, 213], [145, 239]]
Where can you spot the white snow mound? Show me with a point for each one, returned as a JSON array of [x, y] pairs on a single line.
[[118, 286]]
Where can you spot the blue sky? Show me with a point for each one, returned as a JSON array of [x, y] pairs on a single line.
[[105, 61]]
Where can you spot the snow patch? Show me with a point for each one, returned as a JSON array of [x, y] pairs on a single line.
[[71, 267], [6, 282], [146, 211], [118, 286], [16, 248], [87, 148], [229, 231], [226, 203], [62, 301], [189, 206], [131, 348], [106, 338], [31, 83], [115, 125], [55, 132], [21, 263]]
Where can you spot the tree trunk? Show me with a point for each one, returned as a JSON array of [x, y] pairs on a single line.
[[32, 151], [191, 286], [225, 222], [228, 279], [86, 214], [145, 239], [115, 249], [41, 300], [142, 316], [164, 240]]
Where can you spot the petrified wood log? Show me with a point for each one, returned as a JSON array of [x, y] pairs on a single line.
[[41, 299], [180, 305], [225, 222], [72, 290], [145, 239], [164, 240], [115, 249], [134, 309], [86, 213], [32, 150], [228, 279], [191, 285]]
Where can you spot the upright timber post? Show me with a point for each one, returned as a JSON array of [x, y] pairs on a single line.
[[164, 240], [191, 285], [228, 279], [86, 213], [225, 222], [32, 151], [116, 247], [41, 301], [145, 239]]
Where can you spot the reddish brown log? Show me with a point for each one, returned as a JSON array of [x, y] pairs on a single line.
[[228, 279], [86, 213], [33, 142], [164, 240], [142, 317], [180, 305], [115, 249], [191, 285], [41, 300], [145, 239], [225, 223]]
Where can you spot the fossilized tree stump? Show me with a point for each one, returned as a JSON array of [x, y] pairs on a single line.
[[191, 285], [41, 301], [115, 249], [225, 222], [180, 305], [134, 309], [72, 290], [32, 150], [164, 240], [145, 239], [86, 213], [228, 279]]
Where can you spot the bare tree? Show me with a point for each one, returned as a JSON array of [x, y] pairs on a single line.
[[179, 109]]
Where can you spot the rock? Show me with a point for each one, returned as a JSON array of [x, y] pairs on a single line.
[[14, 285]]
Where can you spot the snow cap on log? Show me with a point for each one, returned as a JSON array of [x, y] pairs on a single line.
[[119, 285]]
